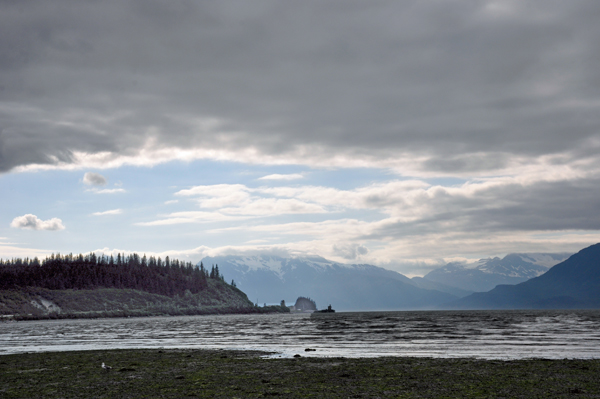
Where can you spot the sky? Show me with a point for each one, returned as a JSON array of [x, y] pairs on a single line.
[[403, 134]]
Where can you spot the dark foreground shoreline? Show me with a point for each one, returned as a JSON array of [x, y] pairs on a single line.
[[244, 374]]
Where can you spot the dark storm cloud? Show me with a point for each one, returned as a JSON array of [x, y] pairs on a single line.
[[441, 79]]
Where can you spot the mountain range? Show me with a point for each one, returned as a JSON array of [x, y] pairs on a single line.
[[543, 281], [270, 279], [486, 274]]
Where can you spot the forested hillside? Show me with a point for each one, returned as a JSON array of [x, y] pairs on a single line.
[[98, 286]]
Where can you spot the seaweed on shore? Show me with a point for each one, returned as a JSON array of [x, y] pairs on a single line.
[[244, 374]]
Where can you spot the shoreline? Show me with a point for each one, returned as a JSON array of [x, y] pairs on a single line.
[[138, 315], [226, 373], [289, 353]]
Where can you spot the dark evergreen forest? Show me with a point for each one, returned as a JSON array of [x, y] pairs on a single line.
[[164, 277]]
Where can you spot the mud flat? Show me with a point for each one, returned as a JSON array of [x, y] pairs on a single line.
[[244, 374]]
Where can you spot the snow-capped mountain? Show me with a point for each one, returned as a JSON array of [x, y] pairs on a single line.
[[269, 279], [485, 274], [571, 284]]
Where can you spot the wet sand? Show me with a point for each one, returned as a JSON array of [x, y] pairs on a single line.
[[244, 374]]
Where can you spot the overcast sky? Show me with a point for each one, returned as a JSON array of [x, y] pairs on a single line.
[[398, 133]]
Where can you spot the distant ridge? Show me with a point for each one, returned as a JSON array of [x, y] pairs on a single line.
[[486, 274], [434, 285], [571, 284]]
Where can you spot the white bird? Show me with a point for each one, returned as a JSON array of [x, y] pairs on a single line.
[[105, 367]]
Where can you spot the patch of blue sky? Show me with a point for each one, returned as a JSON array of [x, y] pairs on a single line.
[[182, 237], [33, 192], [180, 175]]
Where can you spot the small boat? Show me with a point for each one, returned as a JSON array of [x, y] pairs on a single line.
[[328, 310]]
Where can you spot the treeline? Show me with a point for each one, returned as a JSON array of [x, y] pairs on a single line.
[[165, 277]]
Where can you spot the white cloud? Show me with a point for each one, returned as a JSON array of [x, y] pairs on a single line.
[[294, 176], [94, 179], [273, 207], [189, 217], [32, 222], [109, 212], [374, 196], [350, 251], [109, 191], [215, 190], [259, 241], [238, 199]]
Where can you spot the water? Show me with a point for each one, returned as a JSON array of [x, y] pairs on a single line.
[[447, 334]]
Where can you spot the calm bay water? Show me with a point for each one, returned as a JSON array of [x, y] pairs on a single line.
[[480, 334]]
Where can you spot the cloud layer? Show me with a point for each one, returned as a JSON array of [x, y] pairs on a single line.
[[452, 87], [406, 221], [413, 207]]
